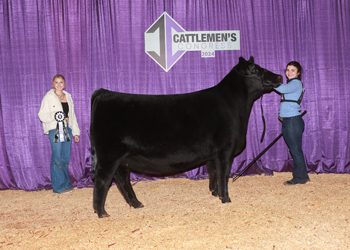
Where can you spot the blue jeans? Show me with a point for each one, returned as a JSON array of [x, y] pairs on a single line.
[[60, 155], [292, 130]]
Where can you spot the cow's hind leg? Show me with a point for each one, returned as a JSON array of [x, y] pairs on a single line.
[[102, 182], [213, 182], [122, 179]]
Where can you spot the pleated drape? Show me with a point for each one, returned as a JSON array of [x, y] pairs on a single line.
[[100, 44]]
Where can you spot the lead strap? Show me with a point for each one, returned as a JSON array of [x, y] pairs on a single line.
[[263, 118]]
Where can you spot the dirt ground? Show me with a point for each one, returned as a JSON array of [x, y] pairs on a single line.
[[182, 214]]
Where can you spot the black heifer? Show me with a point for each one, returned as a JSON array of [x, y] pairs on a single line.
[[168, 134]]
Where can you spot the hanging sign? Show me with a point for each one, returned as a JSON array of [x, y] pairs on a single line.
[[166, 41]]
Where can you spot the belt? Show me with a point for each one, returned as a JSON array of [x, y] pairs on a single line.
[[281, 118]]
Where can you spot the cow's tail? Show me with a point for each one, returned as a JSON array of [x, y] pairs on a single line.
[[93, 160], [94, 100]]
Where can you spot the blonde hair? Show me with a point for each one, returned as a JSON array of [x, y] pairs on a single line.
[[59, 76]]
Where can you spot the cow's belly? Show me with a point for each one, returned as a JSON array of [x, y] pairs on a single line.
[[160, 166]]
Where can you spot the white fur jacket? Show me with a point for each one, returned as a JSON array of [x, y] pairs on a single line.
[[50, 105]]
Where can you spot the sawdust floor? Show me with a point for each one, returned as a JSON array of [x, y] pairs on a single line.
[[182, 214]]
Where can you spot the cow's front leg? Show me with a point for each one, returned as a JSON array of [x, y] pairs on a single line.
[[213, 182], [223, 167], [122, 179]]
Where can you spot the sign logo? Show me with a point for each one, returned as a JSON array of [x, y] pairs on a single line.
[[166, 41]]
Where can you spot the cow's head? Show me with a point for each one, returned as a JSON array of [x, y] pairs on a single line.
[[258, 80]]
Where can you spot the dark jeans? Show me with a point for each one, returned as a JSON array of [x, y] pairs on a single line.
[[292, 130], [59, 162]]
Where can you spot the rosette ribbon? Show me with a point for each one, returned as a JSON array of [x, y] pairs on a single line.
[[61, 130]]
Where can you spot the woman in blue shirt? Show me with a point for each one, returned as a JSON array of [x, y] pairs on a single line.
[[292, 122]]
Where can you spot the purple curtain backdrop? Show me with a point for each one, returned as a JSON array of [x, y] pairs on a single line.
[[100, 43]]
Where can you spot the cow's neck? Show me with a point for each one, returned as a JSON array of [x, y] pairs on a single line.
[[239, 94]]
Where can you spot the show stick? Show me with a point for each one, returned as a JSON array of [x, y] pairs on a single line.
[[259, 155]]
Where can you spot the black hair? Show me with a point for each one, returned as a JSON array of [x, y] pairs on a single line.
[[298, 66]]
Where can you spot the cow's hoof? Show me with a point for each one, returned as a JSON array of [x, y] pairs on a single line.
[[104, 216], [138, 205], [225, 200], [215, 193]]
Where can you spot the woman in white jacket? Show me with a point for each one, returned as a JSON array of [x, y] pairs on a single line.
[[53, 104]]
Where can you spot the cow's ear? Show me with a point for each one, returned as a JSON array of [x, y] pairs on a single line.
[[242, 60], [251, 59]]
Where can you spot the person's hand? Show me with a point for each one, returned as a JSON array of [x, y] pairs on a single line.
[[76, 138]]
